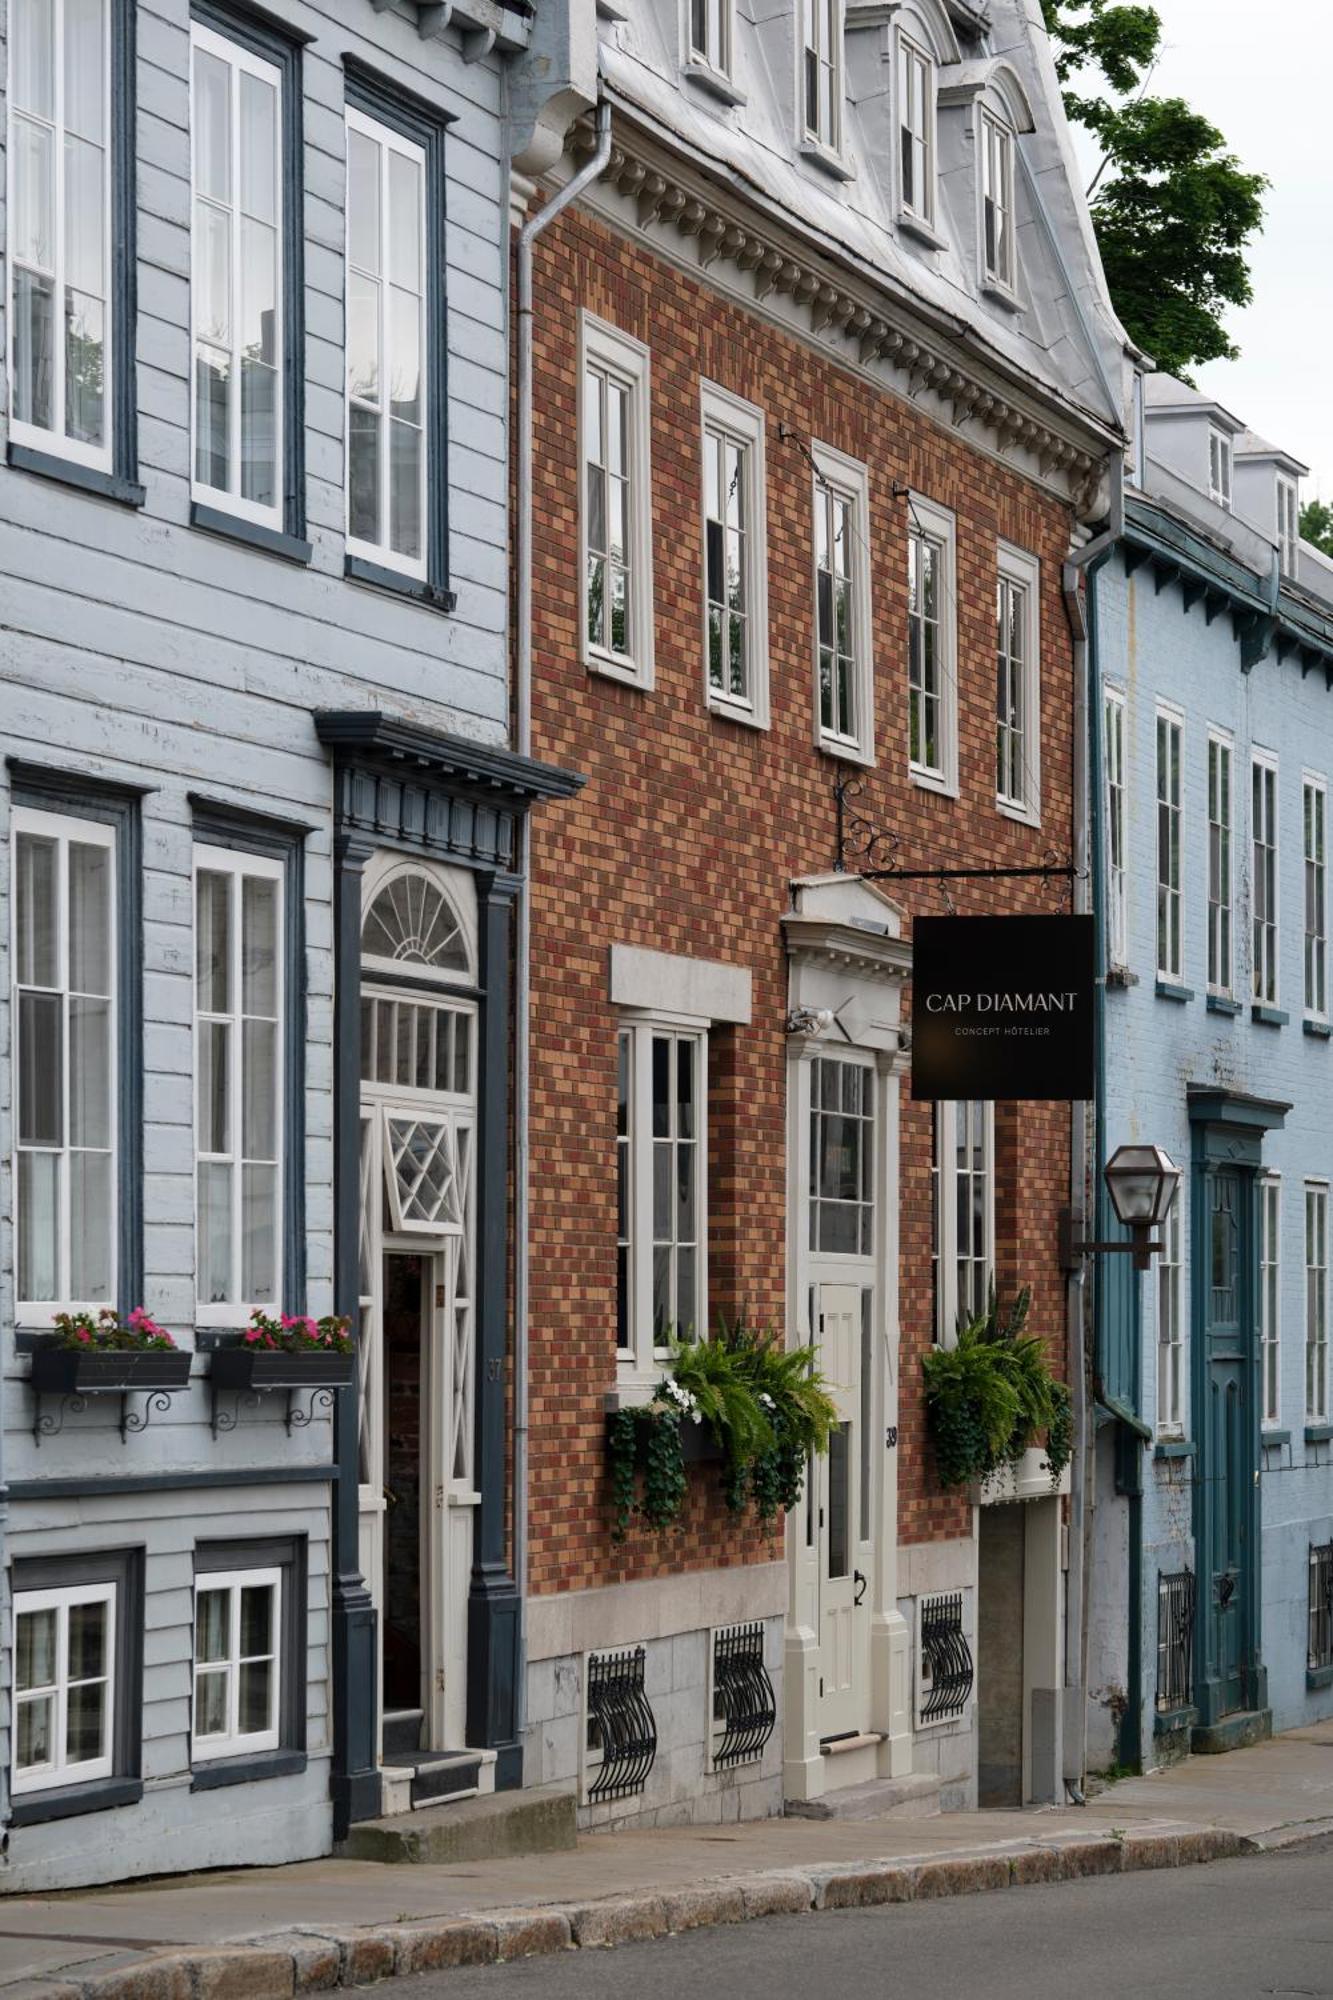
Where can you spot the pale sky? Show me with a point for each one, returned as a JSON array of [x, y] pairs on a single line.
[[1262, 74]]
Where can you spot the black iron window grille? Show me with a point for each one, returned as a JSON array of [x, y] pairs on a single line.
[[945, 1665], [622, 1732], [1175, 1641], [1321, 1605], [743, 1698]]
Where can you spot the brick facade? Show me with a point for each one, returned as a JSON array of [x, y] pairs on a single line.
[[691, 827]]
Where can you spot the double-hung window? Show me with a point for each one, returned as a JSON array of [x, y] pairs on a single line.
[[735, 557], [1316, 1302], [844, 685], [65, 1056], [60, 214], [1288, 527], [1219, 864], [1219, 466], [1117, 911], [842, 1157], [916, 131], [1314, 804], [616, 511], [1270, 1286], [932, 686], [1264, 880], [242, 294], [1170, 1324], [822, 73], [237, 1664], [239, 1037], [64, 1685], [710, 34], [661, 1175], [397, 434], [1170, 962], [1017, 686], [963, 1177], [998, 262]]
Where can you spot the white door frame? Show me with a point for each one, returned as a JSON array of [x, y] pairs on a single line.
[[847, 960]]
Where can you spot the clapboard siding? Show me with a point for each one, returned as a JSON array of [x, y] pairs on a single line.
[[138, 649]]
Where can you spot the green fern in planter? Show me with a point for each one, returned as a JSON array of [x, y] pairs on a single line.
[[991, 1394]]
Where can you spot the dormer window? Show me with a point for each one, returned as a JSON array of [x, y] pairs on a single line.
[[916, 130], [1219, 467], [822, 73], [1288, 527], [997, 202], [710, 34]]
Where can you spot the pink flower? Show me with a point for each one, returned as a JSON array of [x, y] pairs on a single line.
[[83, 1333], [252, 1334]]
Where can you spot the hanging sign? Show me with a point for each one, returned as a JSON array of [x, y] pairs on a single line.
[[1003, 1007]]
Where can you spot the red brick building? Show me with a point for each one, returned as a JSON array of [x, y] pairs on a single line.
[[806, 472]]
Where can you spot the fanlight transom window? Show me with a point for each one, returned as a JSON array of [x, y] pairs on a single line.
[[411, 922]]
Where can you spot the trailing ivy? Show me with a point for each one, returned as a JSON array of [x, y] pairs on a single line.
[[663, 1472], [623, 1443], [992, 1395]]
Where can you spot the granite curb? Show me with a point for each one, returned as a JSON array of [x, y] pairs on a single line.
[[328, 1959]]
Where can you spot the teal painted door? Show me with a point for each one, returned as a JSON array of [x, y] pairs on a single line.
[[1225, 1437]]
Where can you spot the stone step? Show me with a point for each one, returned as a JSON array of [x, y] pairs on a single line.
[[539, 1821], [916, 1796], [401, 1731], [437, 1774]]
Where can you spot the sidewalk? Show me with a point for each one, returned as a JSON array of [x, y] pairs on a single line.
[[320, 1925]]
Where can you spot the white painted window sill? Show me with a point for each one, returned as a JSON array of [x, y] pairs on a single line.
[[933, 781], [734, 711], [845, 752], [715, 82], [824, 157], [631, 1395], [612, 669], [924, 231], [1025, 815]]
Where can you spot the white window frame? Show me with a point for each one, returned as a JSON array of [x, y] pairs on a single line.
[[606, 349], [234, 1742], [945, 1180], [1270, 1300], [230, 500], [1220, 886], [1169, 905], [1265, 933], [916, 62], [1115, 793], [1316, 1302], [382, 551], [1171, 1324], [820, 21], [55, 439], [1288, 527], [1314, 789], [847, 479], [700, 54], [68, 830], [742, 423], [867, 1120], [238, 864], [1017, 570], [996, 142], [640, 1359], [62, 1600], [937, 524], [1219, 466]]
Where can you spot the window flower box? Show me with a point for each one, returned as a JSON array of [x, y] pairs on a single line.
[[106, 1371], [250, 1368]]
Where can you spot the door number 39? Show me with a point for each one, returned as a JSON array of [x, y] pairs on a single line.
[[890, 1437]]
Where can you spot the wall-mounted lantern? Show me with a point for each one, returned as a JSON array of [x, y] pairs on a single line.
[[1142, 1182]]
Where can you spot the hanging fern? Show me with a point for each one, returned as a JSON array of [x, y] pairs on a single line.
[[991, 1395]]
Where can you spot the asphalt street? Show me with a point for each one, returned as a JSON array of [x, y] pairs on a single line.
[[1256, 1929]]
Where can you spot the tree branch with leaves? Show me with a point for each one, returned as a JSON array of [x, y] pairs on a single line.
[[1174, 211]]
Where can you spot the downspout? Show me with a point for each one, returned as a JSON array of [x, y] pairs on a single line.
[[1080, 594], [527, 237]]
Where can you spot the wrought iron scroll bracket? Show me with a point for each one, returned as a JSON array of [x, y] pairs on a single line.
[[47, 1425], [227, 1420], [138, 1420], [872, 852], [298, 1418]]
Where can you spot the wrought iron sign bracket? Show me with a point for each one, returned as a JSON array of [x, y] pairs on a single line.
[[1142, 1246], [873, 855]]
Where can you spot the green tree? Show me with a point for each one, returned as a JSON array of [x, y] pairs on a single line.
[[1317, 525], [1174, 211]]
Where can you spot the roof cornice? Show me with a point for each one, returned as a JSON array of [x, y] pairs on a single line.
[[917, 350]]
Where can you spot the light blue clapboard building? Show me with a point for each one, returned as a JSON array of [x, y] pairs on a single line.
[[1212, 637], [259, 841]]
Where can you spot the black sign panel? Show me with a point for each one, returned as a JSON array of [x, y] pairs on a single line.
[[1002, 1007]]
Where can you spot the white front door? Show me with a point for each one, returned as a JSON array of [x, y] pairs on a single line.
[[844, 1517]]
